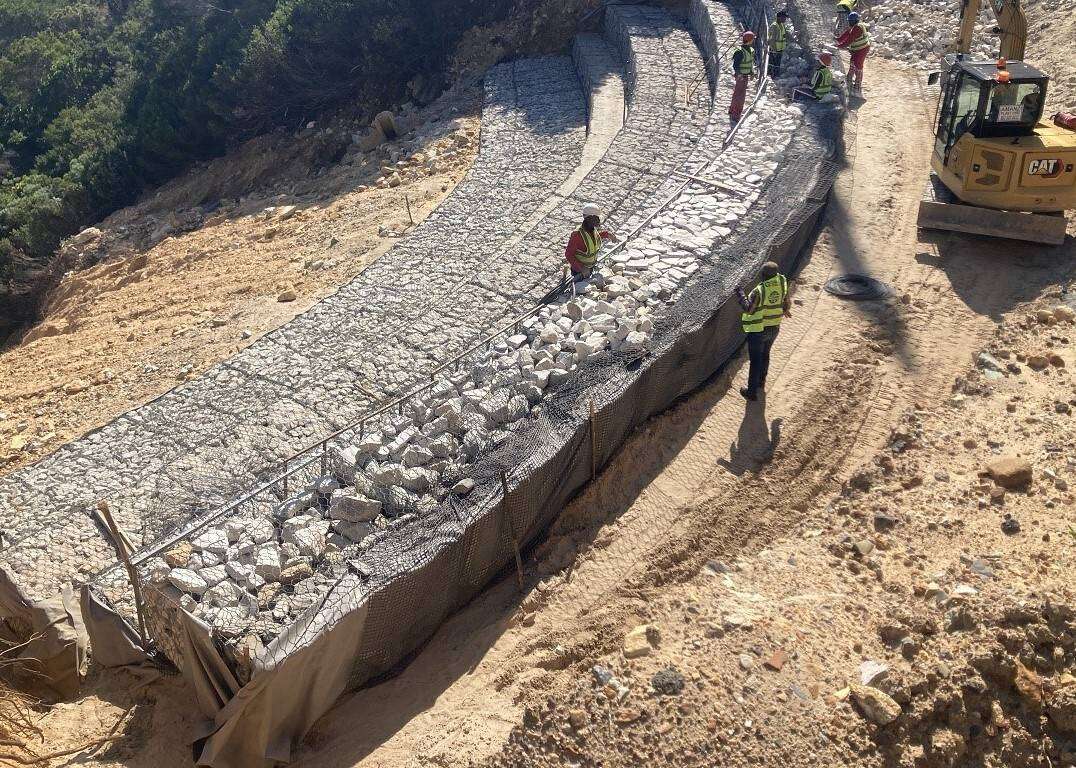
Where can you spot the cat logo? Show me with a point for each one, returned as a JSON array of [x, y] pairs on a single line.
[[1048, 169]]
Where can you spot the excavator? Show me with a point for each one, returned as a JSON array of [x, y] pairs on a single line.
[[997, 167]]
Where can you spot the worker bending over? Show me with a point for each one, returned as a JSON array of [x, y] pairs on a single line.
[[585, 243], [858, 42], [743, 65], [822, 81], [763, 309], [778, 37]]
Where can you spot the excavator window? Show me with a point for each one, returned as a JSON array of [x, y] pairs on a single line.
[[1014, 104], [960, 111]]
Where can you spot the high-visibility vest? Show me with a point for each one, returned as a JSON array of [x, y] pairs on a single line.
[[823, 81], [778, 35], [771, 306], [593, 244], [847, 6], [861, 42], [747, 60]]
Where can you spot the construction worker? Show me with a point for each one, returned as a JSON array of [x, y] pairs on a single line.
[[844, 9], [858, 42], [778, 39], [743, 65], [822, 82], [585, 242], [763, 309]]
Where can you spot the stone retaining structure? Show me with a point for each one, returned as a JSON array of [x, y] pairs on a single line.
[[339, 573], [495, 243], [655, 322], [268, 563]]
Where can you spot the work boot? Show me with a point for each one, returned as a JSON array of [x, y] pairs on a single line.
[[748, 394]]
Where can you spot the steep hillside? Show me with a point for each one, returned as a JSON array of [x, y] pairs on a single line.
[[179, 285]]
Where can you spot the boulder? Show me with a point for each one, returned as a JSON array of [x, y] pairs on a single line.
[[296, 572], [213, 540], [875, 705], [353, 507], [640, 641], [187, 581], [224, 595], [267, 561], [1010, 471], [354, 532], [179, 555]]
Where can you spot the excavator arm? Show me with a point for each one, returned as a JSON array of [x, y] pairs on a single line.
[[1011, 28]]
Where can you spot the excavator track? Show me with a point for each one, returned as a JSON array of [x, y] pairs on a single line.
[[940, 209]]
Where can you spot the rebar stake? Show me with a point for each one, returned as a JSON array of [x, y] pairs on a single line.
[[511, 531], [593, 445]]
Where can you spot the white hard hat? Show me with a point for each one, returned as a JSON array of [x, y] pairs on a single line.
[[590, 209]]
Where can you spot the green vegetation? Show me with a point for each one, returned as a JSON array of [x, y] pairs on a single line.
[[100, 100]]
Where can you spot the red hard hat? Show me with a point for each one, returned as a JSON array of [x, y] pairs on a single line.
[[749, 36], [826, 58]]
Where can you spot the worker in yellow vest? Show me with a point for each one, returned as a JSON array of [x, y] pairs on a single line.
[[743, 68], [858, 42], [583, 246], [778, 38], [822, 81], [844, 9], [763, 309]]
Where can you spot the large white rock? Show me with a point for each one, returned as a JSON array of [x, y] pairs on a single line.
[[224, 595], [261, 530], [416, 456], [353, 507], [355, 532], [214, 575], [213, 540], [310, 540], [187, 581], [156, 569], [267, 561]]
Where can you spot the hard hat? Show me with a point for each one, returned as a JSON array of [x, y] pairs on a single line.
[[590, 209], [1002, 64], [1003, 76], [853, 18], [748, 37], [826, 58], [782, 14]]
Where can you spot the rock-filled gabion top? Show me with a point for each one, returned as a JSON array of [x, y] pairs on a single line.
[[251, 576]]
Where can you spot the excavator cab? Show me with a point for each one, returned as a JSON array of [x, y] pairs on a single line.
[[988, 102], [997, 168]]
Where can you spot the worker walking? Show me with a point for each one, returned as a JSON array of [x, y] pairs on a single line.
[[822, 81], [858, 42], [763, 309], [778, 37], [743, 65], [585, 243]]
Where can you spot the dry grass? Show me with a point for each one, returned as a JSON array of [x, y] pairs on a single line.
[[18, 729]]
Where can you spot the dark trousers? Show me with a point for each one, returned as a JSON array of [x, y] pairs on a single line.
[[758, 349], [775, 63]]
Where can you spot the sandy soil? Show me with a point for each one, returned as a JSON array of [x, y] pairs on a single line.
[[841, 530], [178, 290]]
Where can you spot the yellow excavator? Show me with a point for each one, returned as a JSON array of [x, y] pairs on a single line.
[[998, 168]]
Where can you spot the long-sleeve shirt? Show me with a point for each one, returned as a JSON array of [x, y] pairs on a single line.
[[576, 246], [737, 58], [849, 35]]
